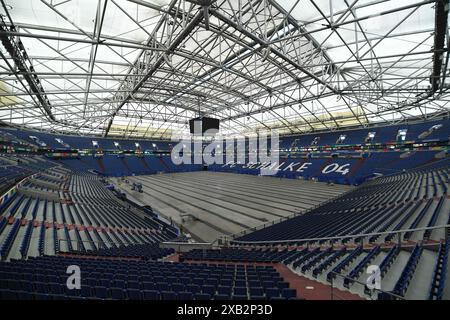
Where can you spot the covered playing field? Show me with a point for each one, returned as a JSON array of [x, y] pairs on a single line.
[[210, 204]]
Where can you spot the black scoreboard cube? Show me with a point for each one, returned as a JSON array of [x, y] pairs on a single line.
[[206, 124]]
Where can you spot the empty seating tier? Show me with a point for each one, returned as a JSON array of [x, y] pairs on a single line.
[[45, 278], [382, 205], [57, 211]]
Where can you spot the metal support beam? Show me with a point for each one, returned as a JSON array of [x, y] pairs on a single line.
[[261, 42], [441, 18], [193, 23], [18, 53]]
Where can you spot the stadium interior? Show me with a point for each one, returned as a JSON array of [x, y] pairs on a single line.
[[324, 174]]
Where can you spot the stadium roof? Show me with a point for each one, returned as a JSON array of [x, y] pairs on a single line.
[[144, 68]]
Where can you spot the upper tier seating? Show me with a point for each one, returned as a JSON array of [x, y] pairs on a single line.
[[13, 169], [383, 134], [79, 142], [422, 131]]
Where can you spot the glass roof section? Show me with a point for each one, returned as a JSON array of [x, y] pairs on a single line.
[[143, 68]]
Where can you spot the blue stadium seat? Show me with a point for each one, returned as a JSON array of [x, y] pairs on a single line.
[[272, 292], [185, 280], [282, 285], [117, 293], [202, 296], [185, 295], [162, 286], [24, 295], [277, 298], [6, 294], [240, 291], [256, 291], [57, 288], [41, 296], [86, 291], [41, 287], [240, 283], [133, 285], [151, 295], [178, 287], [193, 288], [225, 282], [148, 286], [257, 298], [134, 294], [208, 289], [288, 293], [101, 292], [168, 295]]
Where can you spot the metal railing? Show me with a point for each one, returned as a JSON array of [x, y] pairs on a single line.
[[361, 236], [93, 245], [371, 293], [187, 246], [97, 245]]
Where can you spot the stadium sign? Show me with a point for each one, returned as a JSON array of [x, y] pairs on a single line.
[[301, 167]]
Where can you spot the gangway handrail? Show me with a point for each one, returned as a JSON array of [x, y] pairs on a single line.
[[398, 297], [186, 243]]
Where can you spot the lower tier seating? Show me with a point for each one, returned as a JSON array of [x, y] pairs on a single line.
[[45, 278], [58, 210], [347, 266], [400, 201]]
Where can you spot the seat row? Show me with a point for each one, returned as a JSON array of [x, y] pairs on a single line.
[[45, 277]]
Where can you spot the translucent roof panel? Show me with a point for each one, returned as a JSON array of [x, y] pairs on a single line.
[[143, 68]]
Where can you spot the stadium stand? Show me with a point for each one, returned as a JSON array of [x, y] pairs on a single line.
[[49, 140], [366, 215], [346, 167], [338, 170], [60, 208], [383, 135], [369, 208], [75, 212], [119, 279], [328, 123]]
